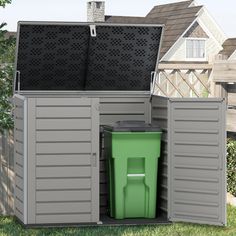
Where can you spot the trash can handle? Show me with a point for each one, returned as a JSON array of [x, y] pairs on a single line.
[[136, 175]]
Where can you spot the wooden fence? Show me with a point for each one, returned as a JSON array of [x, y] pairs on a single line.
[[7, 173], [224, 78], [183, 80]]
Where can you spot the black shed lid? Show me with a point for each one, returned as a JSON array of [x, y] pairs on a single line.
[[132, 126], [66, 56]]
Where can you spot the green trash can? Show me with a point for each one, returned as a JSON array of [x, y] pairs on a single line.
[[132, 149]]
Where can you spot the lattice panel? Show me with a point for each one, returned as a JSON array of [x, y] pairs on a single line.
[[183, 83]]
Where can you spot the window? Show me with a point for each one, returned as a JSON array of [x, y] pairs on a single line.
[[98, 5], [195, 48]]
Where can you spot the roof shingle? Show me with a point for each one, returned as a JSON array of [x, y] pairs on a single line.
[[177, 18], [229, 47]]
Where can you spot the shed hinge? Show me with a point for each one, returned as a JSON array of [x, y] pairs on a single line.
[[93, 31]]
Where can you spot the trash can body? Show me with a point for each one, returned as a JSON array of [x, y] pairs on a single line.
[[133, 165]]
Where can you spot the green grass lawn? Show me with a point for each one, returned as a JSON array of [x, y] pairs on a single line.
[[8, 226]]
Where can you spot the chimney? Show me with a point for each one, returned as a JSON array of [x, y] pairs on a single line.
[[95, 11]]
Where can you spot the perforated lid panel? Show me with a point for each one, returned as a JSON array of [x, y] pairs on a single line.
[[122, 58], [66, 57], [52, 57]]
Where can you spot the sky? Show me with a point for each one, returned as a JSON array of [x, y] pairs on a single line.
[[223, 11]]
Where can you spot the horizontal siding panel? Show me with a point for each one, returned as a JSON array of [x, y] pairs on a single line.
[[197, 149], [19, 147], [197, 209], [195, 137], [19, 170], [65, 184], [123, 108], [19, 215], [189, 194], [65, 207], [19, 205], [63, 124], [122, 100], [19, 112], [196, 173], [63, 160], [103, 188], [110, 119], [103, 200], [194, 113], [63, 102], [194, 161], [19, 123], [19, 182], [63, 219], [19, 159], [60, 172], [103, 165], [19, 135], [47, 148], [196, 185], [63, 112], [19, 194], [61, 196], [60, 136], [103, 177]]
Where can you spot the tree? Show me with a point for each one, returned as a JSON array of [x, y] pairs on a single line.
[[4, 2], [7, 49]]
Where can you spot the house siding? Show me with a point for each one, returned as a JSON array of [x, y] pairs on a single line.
[[179, 52], [233, 56], [196, 31], [208, 22]]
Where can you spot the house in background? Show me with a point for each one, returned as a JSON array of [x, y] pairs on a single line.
[[191, 34], [229, 49], [191, 41]]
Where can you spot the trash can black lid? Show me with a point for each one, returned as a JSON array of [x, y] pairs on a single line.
[[132, 126]]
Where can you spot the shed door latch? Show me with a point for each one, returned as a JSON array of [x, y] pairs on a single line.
[[94, 159], [93, 30]]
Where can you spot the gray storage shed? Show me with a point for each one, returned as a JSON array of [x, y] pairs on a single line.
[[61, 175], [57, 157]]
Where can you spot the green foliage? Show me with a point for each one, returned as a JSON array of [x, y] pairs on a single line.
[[231, 166], [205, 93], [9, 226], [3, 3], [7, 46], [6, 75], [7, 54]]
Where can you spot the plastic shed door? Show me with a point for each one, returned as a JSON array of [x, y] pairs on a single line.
[[61, 161], [197, 161]]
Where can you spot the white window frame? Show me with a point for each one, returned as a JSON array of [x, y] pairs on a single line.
[[195, 59]]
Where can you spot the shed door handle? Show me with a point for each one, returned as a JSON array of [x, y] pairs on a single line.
[[94, 159]]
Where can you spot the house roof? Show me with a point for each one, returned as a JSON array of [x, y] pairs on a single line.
[[10, 34], [177, 18], [229, 47]]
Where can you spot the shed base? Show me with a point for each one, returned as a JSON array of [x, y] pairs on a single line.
[[104, 221]]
